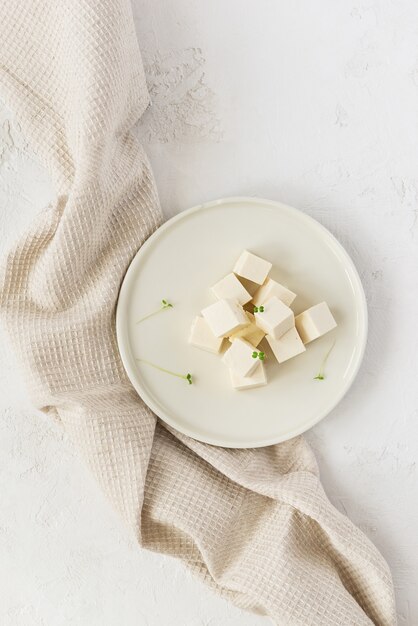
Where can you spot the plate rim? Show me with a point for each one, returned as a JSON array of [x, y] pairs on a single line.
[[124, 292]]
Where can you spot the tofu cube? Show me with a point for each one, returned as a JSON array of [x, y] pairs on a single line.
[[257, 379], [288, 346], [276, 318], [251, 333], [239, 358], [225, 317], [271, 288], [252, 267], [202, 337], [230, 287], [315, 322], [249, 285]]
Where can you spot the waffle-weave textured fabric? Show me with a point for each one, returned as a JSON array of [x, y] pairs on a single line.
[[254, 524]]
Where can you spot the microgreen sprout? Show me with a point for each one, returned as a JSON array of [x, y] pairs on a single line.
[[259, 309], [164, 305], [321, 373], [258, 355], [187, 377]]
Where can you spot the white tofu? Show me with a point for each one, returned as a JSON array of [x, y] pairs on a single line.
[[288, 346], [271, 288], [202, 337], [249, 285], [239, 358], [251, 333], [225, 317], [252, 267], [230, 287], [276, 319], [257, 379], [315, 322]]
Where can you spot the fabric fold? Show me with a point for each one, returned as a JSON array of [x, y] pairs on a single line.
[[254, 524]]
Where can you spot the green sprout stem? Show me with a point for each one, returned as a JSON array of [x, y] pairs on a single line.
[[164, 306], [321, 372], [187, 377]]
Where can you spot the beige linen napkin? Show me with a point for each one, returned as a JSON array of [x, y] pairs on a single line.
[[254, 524]]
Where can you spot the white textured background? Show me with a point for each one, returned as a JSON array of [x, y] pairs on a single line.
[[314, 104]]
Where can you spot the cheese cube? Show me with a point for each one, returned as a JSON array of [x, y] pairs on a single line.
[[288, 346], [252, 267], [251, 333], [202, 337], [276, 319], [230, 287], [257, 379], [271, 288], [225, 317], [239, 358], [315, 322]]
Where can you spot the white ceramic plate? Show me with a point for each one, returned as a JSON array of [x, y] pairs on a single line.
[[179, 263]]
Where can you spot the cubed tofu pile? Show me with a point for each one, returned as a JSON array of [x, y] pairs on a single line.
[[268, 317]]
